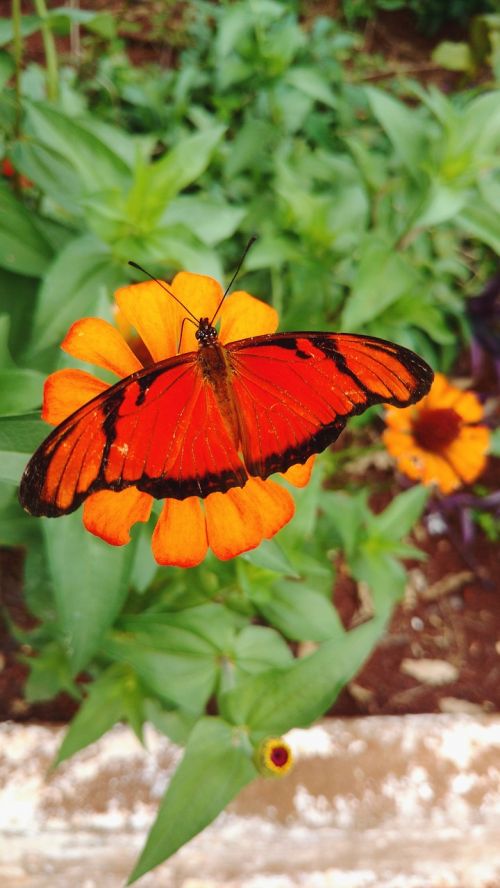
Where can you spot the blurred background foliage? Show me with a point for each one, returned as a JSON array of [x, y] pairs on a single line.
[[376, 208]]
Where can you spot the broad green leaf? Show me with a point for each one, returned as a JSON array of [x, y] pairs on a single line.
[[23, 248], [53, 173], [382, 277], [158, 183], [441, 204], [404, 126], [213, 624], [257, 648], [402, 513], [80, 275], [215, 767], [95, 162], [29, 24], [49, 674], [104, 705], [274, 702], [270, 556], [20, 390], [313, 83], [90, 582], [481, 221], [174, 723], [211, 221], [7, 68], [455, 56], [300, 613], [19, 436], [183, 678]]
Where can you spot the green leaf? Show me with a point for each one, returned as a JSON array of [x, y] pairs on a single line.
[[402, 513], [382, 277], [22, 247], [454, 56], [258, 648], [185, 676], [29, 24], [104, 705], [274, 702], [404, 126], [158, 183], [311, 82], [95, 162], [81, 274], [301, 614], [19, 436], [215, 767], [49, 674], [210, 220], [481, 221], [90, 581]]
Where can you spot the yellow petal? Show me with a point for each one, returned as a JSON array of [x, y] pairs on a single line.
[[429, 468], [201, 295], [110, 515], [180, 537], [300, 475], [234, 524], [67, 390], [98, 342], [154, 314], [242, 315], [397, 442], [272, 502], [469, 407]]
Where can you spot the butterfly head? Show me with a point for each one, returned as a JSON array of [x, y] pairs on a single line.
[[206, 334]]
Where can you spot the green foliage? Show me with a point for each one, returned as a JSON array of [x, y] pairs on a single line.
[[376, 212], [431, 15]]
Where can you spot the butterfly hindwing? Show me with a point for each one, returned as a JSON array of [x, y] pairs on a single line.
[[295, 391]]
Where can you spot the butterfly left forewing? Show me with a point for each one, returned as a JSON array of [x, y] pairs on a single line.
[[295, 391]]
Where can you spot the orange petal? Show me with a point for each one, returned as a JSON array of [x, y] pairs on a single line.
[[402, 419], [272, 502], [300, 475], [201, 294], [469, 407], [468, 453], [67, 390], [110, 515], [154, 314], [429, 468], [397, 442], [234, 524], [98, 342], [242, 315], [180, 537]]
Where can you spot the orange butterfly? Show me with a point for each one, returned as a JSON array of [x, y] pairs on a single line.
[[205, 421]]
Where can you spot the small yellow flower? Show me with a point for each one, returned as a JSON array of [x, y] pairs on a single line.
[[273, 757], [440, 440]]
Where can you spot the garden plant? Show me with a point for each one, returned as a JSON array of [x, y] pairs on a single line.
[[376, 211]]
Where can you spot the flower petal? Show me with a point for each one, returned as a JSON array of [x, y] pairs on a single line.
[[67, 390], [154, 314], [300, 475], [98, 342], [242, 315], [234, 524], [469, 407], [402, 419], [201, 294], [180, 537], [468, 453], [110, 515], [274, 504]]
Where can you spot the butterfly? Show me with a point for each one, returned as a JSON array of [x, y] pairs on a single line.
[[206, 420]]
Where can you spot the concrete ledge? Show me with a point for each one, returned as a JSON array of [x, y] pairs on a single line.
[[380, 802]]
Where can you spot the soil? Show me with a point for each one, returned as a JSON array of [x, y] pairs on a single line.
[[451, 610]]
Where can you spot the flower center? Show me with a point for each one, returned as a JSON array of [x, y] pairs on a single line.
[[435, 429], [279, 756]]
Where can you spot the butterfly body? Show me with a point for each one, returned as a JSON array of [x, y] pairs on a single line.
[[205, 421]]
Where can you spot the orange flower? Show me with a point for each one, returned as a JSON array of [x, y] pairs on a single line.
[[439, 440], [229, 523]]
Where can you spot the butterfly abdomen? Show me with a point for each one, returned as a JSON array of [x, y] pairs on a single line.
[[215, 365]]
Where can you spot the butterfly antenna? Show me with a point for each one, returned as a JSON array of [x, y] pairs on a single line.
[[235, 275], [167, 290]]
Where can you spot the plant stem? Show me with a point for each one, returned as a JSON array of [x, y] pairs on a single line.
[[50, 52], [18, 60]]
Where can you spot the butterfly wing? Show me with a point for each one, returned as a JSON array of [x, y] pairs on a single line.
[[159, 430], [295, 391]]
